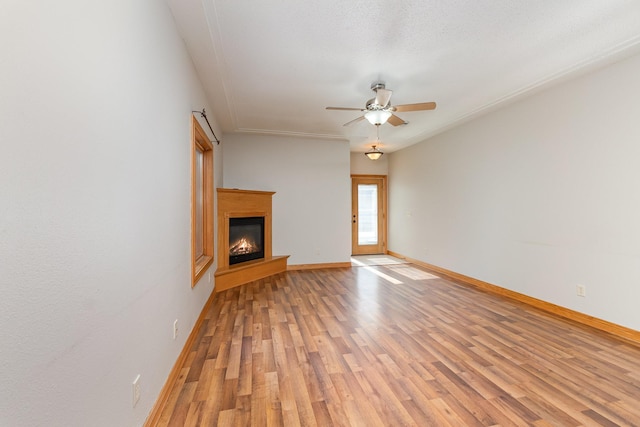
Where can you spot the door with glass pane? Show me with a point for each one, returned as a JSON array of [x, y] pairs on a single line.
[[368, 216]]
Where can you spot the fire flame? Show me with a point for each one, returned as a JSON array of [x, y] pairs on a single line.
[[242, 247]]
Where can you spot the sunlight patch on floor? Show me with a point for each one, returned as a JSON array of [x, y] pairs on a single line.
[[377, 260], [384, 260], [411, 272], [376, 272]]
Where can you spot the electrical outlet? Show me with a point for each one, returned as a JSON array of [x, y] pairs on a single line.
[[581, 291], [136, 390], [175, 329]]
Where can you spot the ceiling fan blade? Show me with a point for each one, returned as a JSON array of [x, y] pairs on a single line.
[[345, 108], [354, 121], [383, 96], [396, 121], [415, 107]]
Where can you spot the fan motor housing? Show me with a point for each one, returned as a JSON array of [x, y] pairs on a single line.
[[372, 106]]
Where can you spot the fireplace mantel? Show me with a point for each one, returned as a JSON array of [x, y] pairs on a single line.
[[234, 203]]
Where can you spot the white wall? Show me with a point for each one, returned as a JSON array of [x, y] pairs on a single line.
[[312, 204], [537, 197], [94, 209], [361, 165]]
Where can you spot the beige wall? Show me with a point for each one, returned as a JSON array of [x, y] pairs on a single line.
[[312, 204], [95, 209], [361, 165], [537, 197]]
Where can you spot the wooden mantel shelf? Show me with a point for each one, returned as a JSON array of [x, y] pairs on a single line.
[[235, 203]]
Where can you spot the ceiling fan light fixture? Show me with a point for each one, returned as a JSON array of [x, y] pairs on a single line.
[[374, 153], [377, 117]]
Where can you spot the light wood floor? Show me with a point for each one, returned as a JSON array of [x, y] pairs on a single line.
[[393, 346]]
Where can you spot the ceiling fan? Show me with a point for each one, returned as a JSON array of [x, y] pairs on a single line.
[[379, 109]]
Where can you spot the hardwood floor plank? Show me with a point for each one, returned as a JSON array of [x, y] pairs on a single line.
[[233, 361], [471, 409], [625, 411], [396, 345], [321, 413], [392, 407], [170, 406], [445, 415], [324, 383], [194, 415], [245, 370], [204, 381], [258, 391], [272, 397], [242, 415], [226, 418], [569, 404], [357, 395], [311, 380], [302, 397], [549, 412], [600, 419], [183, 403], [268, 357], [212, 404]]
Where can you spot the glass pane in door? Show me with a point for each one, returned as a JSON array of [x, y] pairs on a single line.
[[367, 214]]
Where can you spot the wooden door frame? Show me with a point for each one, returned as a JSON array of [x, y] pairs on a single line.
[[382, 216]]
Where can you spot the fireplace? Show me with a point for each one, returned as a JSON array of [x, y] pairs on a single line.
[[246, 211], [246, 239]]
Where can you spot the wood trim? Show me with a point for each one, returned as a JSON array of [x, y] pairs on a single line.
[[200, 142], [165, 392], [319, 265], [381, 181], [622, 332], [239, 191], [248, 271]]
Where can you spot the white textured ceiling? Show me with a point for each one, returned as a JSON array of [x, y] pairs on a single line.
[[272, 66]]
